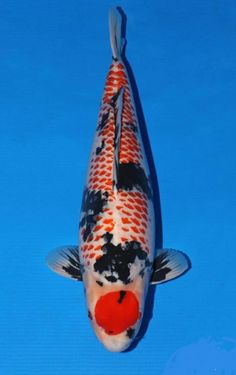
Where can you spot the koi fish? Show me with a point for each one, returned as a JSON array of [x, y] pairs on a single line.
[[116, 258]]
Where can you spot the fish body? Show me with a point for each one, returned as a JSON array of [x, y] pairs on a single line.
[[116, 257], [117, 224]]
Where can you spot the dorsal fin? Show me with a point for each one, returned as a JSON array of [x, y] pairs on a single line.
[[117, 136]]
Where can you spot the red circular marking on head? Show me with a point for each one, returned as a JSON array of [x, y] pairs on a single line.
[[117, 311]]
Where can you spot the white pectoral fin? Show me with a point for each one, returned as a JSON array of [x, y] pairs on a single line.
[[65, 261], [169, 264]]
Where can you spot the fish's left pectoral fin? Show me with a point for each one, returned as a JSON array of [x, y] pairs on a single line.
[[65, 261], [168, 265]]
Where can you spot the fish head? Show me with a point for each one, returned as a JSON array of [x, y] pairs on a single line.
[[115, 310]]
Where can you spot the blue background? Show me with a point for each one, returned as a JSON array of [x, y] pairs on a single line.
[[53, 62]]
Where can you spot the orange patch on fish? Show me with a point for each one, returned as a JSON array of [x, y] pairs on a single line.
[[98, 227], [117, 311], [125, 220]]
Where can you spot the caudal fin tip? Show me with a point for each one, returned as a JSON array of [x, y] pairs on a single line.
[[114, 11], [116, 23], [117, 13]]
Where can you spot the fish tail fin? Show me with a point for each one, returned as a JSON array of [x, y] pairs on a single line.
[[116, 39]]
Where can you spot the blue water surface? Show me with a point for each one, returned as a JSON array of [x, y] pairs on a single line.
[[54, 59]]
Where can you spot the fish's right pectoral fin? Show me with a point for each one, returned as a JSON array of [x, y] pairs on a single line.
[[65, 261], [168, 265]]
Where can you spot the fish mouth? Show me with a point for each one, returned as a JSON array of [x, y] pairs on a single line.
[[115, 344]]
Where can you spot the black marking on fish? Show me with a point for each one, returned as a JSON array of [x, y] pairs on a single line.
[[116, 260], [122, 296], [130, 333], [90, 315], [103, 121], [93, 203], [107, 237], [132, 126], [114, 99], [73, 267], [130, 176], [162, 274], [141, 273], [100, 148], [162, 261], [111, 278], [100, 283]]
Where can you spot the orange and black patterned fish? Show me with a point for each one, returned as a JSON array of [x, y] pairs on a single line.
[[116, 258]]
